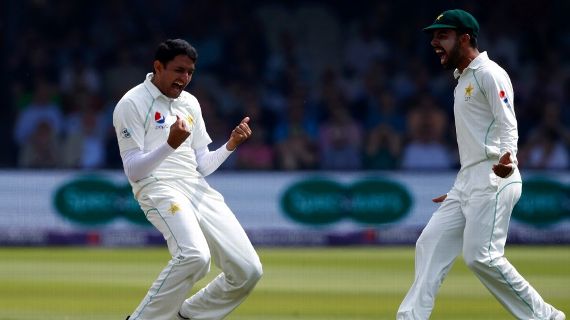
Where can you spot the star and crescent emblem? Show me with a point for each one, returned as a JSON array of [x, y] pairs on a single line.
[[174, 208], [469, 90]]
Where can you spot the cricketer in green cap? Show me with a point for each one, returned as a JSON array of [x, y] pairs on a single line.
[[455, 19], [454, 38], [473, 217]]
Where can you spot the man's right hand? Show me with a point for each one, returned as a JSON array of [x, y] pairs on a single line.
[[179, 132], [439, 199]]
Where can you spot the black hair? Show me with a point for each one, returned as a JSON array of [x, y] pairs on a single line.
[[171, 48], [472, 38]]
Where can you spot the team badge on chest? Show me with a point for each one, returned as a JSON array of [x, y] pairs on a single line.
[[468, 92], [174, 208]]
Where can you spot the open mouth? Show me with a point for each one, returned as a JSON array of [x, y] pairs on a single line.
[[441, 54], [179, 86]]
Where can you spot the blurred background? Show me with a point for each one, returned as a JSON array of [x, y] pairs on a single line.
[[348, 102], [353, 136], [329, 85]]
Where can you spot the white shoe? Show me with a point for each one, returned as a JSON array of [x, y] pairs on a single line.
[[557, 315]]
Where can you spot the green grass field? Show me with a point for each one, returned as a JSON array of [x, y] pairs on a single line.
[[310, 284]]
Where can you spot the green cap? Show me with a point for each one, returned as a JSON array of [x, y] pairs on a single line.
[[455, 19]]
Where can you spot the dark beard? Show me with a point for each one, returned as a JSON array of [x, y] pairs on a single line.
[[453, 57]]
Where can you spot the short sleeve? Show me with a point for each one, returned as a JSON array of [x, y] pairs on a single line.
[[128, 126]]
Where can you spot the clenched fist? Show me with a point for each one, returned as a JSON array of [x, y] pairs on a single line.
[[179, 132], [239, 134]]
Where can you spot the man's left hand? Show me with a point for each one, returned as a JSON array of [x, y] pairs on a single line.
[[505, 166], [239, 134]]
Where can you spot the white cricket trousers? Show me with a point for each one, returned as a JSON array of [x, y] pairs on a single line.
[[197, 225], [473, 220]]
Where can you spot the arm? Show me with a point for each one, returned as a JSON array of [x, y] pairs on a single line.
[[208, 161], [139, 165], [500, 96]]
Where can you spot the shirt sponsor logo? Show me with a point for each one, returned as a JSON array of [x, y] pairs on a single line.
[[159, 118]]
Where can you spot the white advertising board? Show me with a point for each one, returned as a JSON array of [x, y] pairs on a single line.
[[276, 208]]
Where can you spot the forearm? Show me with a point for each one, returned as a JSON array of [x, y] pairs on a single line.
[[509, 139], [138, 164], [209, 161]]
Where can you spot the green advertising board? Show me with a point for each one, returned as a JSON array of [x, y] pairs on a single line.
[[96, 201], [543, 202], [319, 201]]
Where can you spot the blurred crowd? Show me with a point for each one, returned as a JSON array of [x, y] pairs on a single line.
[[329, 85]]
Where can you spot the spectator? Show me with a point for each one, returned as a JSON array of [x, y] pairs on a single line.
[[297, 152], [41, 148], [547, 147], [286, 67], [545, 151], [78, 75], [364, 47], [295, 137], [340, 139], [273, 51], [426, 148], [382, 108], [123, 74], [257, 154], [383, 148], [41, 109], [85, 149]]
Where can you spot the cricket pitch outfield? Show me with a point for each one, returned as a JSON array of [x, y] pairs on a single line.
[[349, 283]]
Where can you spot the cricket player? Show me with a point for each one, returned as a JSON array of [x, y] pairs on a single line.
[[474, 215], [164, 147]]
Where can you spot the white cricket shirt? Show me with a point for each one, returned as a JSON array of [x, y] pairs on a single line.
[[142, 120], [484, 112]]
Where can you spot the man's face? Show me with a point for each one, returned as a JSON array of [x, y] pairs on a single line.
[[173, 77], [446, 45]]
